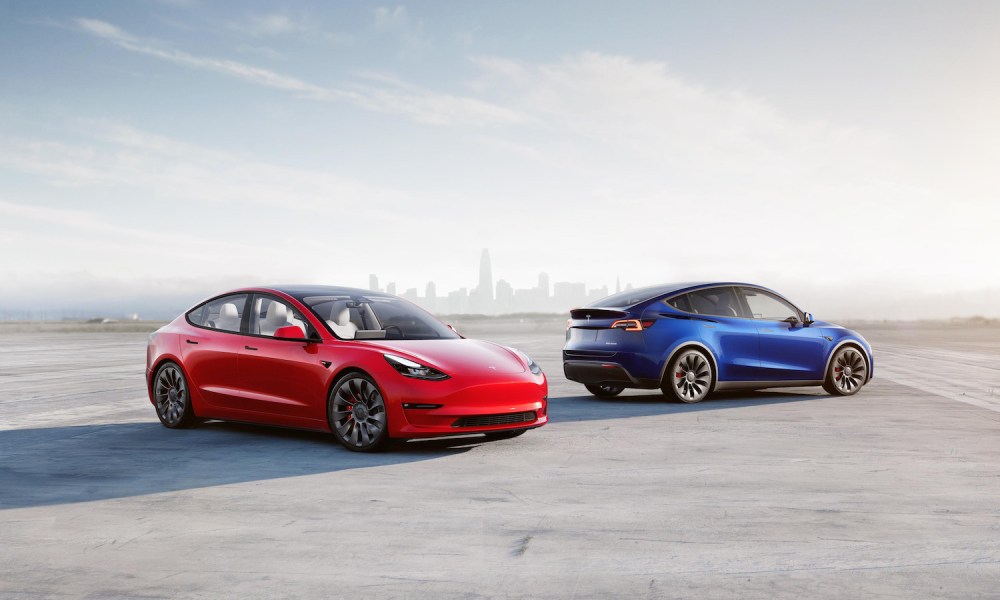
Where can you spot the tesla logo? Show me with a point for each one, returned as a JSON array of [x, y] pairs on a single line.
[[588, 317]]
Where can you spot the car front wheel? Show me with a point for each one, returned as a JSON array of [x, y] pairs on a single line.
[[357, 415], [848, 372]]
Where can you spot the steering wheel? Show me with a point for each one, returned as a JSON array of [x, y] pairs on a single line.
[[397, 328]]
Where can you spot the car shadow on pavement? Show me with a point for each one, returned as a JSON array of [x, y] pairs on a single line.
[[637, 403], [57, 465]]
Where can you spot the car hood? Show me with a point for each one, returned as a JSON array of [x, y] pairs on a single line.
[[459, 356]]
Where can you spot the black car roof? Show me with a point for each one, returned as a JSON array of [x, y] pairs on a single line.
[[653, 291], [304, 291]]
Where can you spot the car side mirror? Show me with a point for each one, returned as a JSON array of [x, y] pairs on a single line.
[[809, 320], [292, 333]]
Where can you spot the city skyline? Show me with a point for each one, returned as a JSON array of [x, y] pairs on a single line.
[[499, 297]]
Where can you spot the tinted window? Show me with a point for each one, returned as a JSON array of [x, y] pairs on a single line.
[[196, 316], [717, 302], [768, 306], [270, 313], [627, 298], [377, 317], [681, 302], [225, 313]]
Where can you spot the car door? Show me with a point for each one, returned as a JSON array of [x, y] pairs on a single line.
[[725, 327], [210, 350], [790, 350], [281, 378]]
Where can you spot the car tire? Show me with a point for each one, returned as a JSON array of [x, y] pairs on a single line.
[[357, 414], [604, 390], [847, 373], [689, 377], [172, 397]]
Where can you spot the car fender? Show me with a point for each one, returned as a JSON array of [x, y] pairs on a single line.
[[685, 343], [370, 361], [849, 338]]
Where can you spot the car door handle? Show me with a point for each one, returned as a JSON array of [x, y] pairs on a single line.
[[249, 348], [191, 342]]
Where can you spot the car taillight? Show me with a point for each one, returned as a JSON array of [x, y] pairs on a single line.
[[632, 324]]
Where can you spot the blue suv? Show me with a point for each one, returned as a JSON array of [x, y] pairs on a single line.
[[690, 339]]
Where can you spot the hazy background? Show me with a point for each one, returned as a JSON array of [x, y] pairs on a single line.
[[154, 152]]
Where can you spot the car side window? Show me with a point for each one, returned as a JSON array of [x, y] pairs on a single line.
[[767, 306], [225, 313], [682, 302], [716, 302], [270, 313]]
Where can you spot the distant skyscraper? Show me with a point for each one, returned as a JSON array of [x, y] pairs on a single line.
[[485, 277], [618, 285], [373, 282], [505, 297], [543, 284], [567, 295], [391, 288], [431, 291]]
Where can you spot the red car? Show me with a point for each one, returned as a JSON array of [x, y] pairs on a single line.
[[366, 366]]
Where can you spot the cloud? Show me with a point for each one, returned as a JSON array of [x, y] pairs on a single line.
[[390, 18], [204, 213], [270, 25], [420, 104], [118, 155], [397, 22]]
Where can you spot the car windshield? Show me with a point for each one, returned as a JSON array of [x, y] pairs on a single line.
[[359, 317]]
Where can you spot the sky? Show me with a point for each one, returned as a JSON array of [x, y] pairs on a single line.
[[843, 153]]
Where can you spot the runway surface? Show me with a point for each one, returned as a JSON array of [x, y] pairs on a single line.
[[894, 492]]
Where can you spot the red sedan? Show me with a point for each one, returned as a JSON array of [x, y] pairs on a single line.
[[364, 365]]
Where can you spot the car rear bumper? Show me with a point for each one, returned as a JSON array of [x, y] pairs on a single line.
[[594, 372]]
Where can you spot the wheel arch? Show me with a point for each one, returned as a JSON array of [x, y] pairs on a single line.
[[692, 344], [192, 390], [160, 361], [339, 374], [855, 344], [394, 410]]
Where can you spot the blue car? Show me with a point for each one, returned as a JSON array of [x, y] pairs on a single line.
[[690, 339]]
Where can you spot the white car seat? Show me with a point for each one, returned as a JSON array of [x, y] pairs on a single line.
[[229, 318], [340, 321], [277, 316]]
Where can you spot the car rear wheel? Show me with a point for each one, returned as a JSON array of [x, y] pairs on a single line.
[[848, 372], [604, 390], [171, 397], [689, 377], [356, 411]]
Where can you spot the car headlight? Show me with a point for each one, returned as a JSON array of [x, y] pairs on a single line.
[[409, 368], [532, 366]]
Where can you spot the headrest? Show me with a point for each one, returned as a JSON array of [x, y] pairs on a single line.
[[340, 313], [277, 314], [228, 310]]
